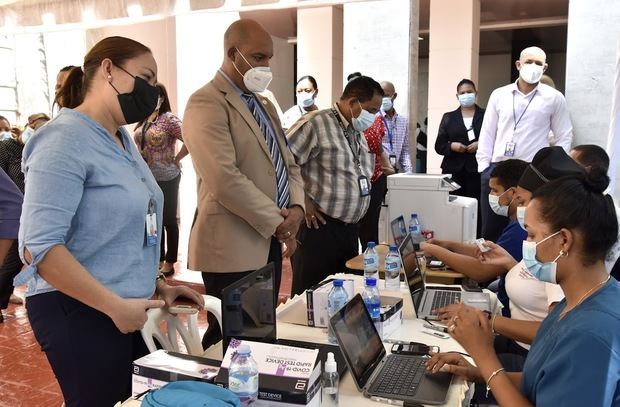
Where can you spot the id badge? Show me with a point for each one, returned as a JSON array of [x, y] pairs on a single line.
[[364, 185], [151, 225], [393, 160], [471, 136], [510, 149]]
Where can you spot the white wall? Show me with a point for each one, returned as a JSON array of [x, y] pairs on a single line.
[[376, 43], [283, 68]]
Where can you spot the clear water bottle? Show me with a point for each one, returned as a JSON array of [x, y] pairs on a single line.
[[415, 228], [336, 299], [243, 376], [372, 299], [329, 383], [371, 261], [392, 269]]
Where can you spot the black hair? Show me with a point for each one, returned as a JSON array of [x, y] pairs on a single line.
[[66, 68], [353, 76], [311, 79], [363, 88], [577, 203], [5, 119], [466, 82], [509, 172], [593, 157]]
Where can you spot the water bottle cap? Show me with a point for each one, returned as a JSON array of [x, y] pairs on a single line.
[[371, 281], [414, 215], [371, 245], [330, 363], [393, 248], [243, 349], [338, 283]]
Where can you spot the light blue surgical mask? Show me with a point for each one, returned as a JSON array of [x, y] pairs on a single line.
[[26, 134], [363, 121], [467, 99], [387, 104], [496, 207], [305, 99], [541, 271], [521, 216], [5, 135]]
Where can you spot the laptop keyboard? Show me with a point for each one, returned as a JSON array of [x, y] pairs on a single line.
[[443, 298], [400, 376]]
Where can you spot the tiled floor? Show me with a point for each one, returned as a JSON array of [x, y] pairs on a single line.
[[26, 379]]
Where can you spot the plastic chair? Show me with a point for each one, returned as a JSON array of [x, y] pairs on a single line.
[[189, 332]]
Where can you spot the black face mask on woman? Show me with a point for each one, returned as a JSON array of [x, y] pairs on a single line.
[[138, 104]]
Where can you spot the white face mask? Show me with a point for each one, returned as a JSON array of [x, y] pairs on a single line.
[[531, 73], [305, 99], [363, 121], [27, 133], [256, 79], [496, 207]]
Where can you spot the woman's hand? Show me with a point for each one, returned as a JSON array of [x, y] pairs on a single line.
[[458, 147], [470, 327], [448, 312], [472, 148], [171, 293], [497, 256], [451, 362], [129, 314], [428, 248]]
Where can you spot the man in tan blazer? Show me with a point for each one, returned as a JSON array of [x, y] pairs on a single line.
[[250, 191]]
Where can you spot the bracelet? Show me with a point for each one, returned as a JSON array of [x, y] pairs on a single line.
[[501, 369], [493, 324], [160, 277]]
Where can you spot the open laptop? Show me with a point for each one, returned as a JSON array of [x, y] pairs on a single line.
[[399, 230], [395, 379], [249, 312], [425, 299]]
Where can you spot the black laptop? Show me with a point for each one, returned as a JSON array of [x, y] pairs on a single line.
[[393, 379], [249, 312]]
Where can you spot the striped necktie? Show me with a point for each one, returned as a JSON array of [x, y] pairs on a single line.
[[283, 197]]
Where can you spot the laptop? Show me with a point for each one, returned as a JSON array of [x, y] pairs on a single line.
[[249, 312], [392, 379], [425, 299], [399, 230]]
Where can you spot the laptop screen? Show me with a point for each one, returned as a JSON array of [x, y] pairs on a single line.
[[248, 308], [413, 272], [399, 230], [358, 339]]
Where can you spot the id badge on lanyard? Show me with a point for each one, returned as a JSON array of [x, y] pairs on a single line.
[[364, 185], [151, 224]]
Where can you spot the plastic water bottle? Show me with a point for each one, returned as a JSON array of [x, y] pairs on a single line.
[[243, 376], [330, 383], [372, 299], [336, 299], [392, 269], [414, 225], [371, 261]]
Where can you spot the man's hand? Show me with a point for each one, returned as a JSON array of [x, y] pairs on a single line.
[[313, 215], [290, 246], [473, 147], [289, 227], [458, 147]]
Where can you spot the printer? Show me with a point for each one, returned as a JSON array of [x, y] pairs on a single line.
[[451, 217]]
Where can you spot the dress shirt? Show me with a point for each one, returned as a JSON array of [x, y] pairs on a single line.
[[374, 135], [399, 145], [87, 193], [327, 164], [540, 111], [10, 207]]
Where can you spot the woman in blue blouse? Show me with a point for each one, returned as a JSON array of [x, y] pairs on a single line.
[[575, 357], [89, 226]]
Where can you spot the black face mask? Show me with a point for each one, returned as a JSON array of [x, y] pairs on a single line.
[[140, 102]]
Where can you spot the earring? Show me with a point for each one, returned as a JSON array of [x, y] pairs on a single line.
[[109, 77]]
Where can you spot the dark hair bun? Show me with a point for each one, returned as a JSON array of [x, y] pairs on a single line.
[[596, 180]]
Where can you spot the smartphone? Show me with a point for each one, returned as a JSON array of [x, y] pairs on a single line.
[[480, 243], [183, 309], [411, 348], [436, 264]]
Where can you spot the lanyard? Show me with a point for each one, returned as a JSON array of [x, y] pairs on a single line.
[[514, 114], [389, 132], [356, 154]]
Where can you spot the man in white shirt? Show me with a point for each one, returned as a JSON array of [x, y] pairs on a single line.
[[517, 122]]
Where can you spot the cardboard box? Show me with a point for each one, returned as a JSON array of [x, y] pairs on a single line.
[[161, 367], [288, 376], [391, 316], [316, 300]]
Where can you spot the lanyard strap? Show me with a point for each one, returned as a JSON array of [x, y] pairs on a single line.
[[514, 114], [356, 154], [389, 132]]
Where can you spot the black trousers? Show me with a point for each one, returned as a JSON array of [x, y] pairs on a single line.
[[322, 252], [492, 224], [369, 224], [169, 248], [9, 269], [90, 357], [470, 187], [215, 282]]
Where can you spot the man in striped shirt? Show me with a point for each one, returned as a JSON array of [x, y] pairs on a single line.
[[336, 167]]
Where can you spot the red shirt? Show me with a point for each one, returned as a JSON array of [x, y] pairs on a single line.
[[374, 134]]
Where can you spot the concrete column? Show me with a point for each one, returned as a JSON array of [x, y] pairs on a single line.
[[590, 67], [319, 50], [453, 55]]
